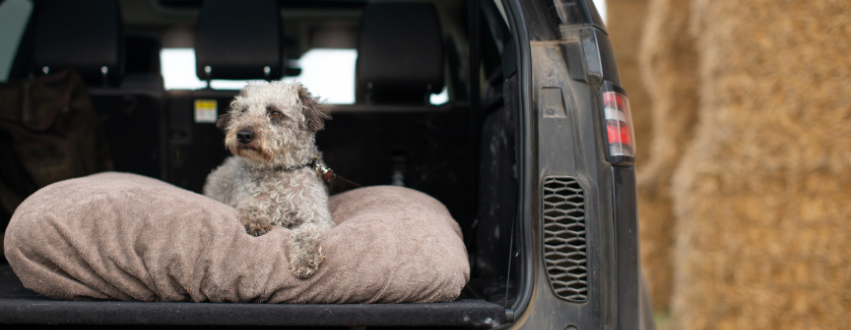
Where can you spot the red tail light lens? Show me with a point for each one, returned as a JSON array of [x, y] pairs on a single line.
[[618, 125], [618, 133]]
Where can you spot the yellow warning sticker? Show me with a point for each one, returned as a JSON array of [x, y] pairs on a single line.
[[205, 111]]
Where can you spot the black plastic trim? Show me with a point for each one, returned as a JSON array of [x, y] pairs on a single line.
[[627, 251], [607, 57], [593, 15], [526, 166], [46, 311], [19, 305]]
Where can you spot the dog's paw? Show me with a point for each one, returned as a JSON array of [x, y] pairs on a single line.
[[306, 265], [254, 227]]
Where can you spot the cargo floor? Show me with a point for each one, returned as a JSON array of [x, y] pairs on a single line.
[[19, 305]]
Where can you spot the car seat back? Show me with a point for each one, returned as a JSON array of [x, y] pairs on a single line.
[[87, 36], [84, 35], [235, 40], [400, 54]]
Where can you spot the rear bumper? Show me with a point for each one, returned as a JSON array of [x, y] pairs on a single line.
[[19, 305]]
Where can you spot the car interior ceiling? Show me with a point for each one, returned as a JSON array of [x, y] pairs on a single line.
[[460, 152]]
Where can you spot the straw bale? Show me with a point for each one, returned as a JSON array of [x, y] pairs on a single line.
[[763, 194], [668, 68]]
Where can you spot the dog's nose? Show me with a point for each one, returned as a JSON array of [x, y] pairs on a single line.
[[244, 136]]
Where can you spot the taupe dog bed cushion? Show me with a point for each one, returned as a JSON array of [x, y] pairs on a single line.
[[128, 237]]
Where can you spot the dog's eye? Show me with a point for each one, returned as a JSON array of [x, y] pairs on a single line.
[[273, 111]]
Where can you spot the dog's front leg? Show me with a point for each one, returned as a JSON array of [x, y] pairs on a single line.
[[305, 251], [255, 218]]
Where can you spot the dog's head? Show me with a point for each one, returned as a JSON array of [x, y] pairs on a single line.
[[273, 124]]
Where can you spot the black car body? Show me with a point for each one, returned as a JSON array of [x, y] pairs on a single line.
[[525, 163]]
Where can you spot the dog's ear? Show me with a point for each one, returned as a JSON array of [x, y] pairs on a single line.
[[314, 111], [224, 120]]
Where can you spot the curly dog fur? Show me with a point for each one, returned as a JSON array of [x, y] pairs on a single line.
[[270, 128]]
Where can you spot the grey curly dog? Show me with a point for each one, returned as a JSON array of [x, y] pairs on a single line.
[[272, 179]]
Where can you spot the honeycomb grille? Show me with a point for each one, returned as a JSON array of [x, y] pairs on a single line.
[[564, 238]]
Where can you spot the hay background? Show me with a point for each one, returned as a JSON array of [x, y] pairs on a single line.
[[763, 194]]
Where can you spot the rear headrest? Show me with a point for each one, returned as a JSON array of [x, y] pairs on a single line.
[[400, 53], [142, 54], [239, 40], [81, 34]]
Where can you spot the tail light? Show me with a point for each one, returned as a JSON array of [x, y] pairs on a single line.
[[620, 140]]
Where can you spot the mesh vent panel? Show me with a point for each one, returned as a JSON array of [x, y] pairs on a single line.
[[564, 238]]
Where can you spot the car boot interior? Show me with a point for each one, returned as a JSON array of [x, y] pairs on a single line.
[[461, 151]]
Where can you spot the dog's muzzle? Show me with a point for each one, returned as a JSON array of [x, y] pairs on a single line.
[[245, 136]]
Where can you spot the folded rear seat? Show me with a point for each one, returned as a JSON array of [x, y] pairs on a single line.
[[236, 40], [86, 35], [393, 135]]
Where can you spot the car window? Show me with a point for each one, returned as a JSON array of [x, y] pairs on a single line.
[[14, 15], [440, 98], [329, 73]]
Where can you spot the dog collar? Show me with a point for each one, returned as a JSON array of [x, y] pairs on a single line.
[[325, 174], [293, 168]]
